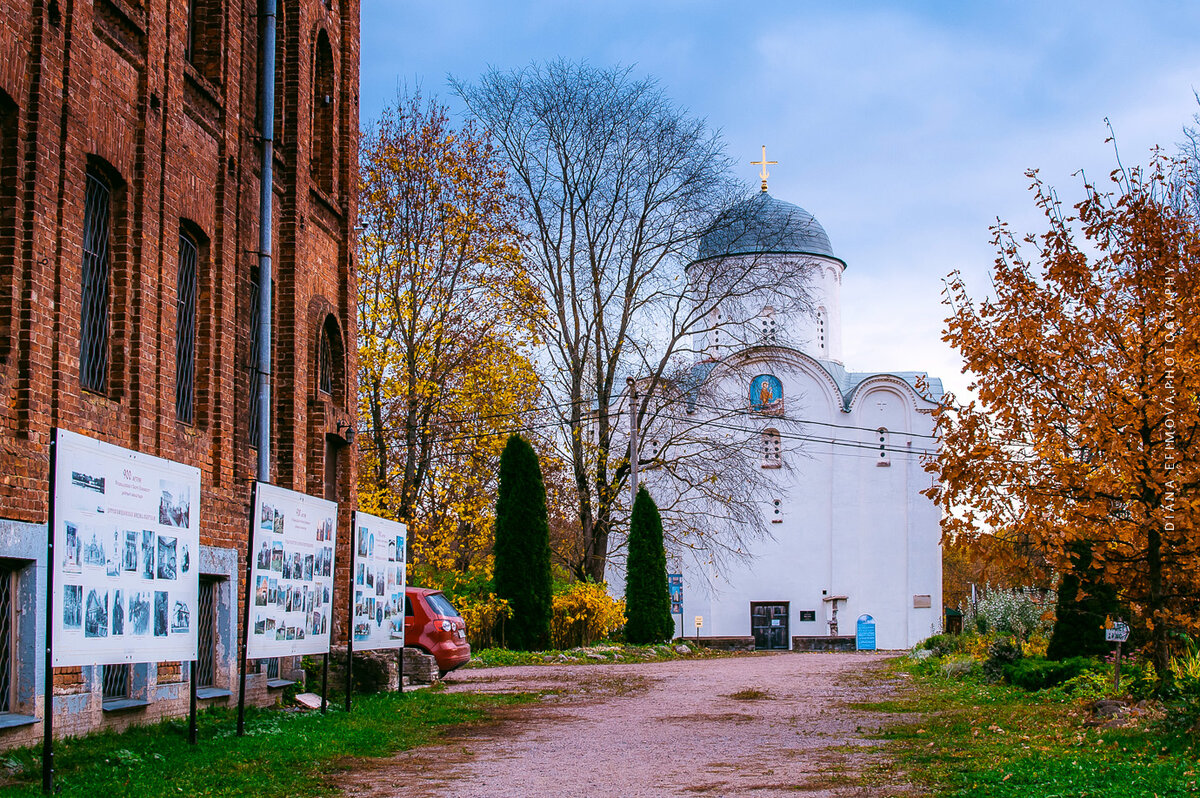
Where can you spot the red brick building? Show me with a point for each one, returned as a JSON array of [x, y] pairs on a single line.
[[129, 193]]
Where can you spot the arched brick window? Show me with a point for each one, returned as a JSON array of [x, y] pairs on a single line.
[[187, 292], [323, 103], [331, 374], [95, 282], [203, 47]]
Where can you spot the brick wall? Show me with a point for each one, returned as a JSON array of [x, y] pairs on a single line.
[[171, 115]]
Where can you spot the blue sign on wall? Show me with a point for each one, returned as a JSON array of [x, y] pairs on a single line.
[[864, 636], [675, 588]]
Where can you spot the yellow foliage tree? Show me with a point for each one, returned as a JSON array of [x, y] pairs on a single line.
[[1085, 363], [443, 353]]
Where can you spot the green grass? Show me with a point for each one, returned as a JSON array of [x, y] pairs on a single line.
[[968, 738], [282, 754]]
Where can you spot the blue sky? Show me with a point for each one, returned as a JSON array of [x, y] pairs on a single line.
[[906, 128]]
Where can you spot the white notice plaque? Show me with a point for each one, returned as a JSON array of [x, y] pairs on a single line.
[[291, 582], [378, 597], [126, 555]]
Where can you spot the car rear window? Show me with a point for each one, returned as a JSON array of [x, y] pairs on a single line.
[[440, 605]]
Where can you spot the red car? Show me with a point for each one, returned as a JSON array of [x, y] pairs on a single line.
[[433, 626]]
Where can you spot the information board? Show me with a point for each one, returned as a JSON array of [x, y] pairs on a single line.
[[126, 555], [864, 633], [291, 607], [379, 578]]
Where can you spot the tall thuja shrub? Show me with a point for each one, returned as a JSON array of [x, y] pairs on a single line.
[[647, 602], [1084, 601], [522, 548]]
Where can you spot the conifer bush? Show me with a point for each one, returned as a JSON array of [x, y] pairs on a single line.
[[1084, 601], [647, 601], [522, 549]]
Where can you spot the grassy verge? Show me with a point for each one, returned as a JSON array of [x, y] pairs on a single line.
[[598, 654], [968, 738], [283, 753]]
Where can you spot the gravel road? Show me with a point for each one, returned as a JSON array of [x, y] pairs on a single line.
[[764, 725]]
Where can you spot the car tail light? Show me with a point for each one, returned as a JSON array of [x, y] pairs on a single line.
[[447, 626]]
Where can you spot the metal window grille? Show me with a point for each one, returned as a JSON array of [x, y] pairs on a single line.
[[93, 333], [325, 362], [185, 330], [6, 638], [114, 681], [273, 668], [255, 333], [207, 630]]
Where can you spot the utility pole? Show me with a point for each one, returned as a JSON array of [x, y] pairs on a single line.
[[631, 395]]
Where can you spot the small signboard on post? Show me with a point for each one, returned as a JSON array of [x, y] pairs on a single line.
[[1116, 632]]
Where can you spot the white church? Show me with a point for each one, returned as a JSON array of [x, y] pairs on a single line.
[[851, 536]]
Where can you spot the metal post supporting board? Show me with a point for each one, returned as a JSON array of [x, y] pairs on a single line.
[[241, 708], [48, 686], [192, 702]]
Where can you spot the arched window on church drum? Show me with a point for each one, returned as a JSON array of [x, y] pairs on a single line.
[[772, 455], [768, 332], [884, 437]]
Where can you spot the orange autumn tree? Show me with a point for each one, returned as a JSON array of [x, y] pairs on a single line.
[[1085, 364], [444, 364]]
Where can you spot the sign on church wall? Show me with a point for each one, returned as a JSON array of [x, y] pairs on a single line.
[[126, 554], [292, 578]]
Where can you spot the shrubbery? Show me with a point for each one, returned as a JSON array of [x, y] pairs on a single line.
[[1038, 674], [583, 614], [1018, 612]]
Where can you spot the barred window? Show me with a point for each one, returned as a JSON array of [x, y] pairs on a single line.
[[114, 682], [93, 329], [255, 334], [7, 647], [187, 287], [207, 632]]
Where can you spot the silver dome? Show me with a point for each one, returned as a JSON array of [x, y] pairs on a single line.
[[765, 225]]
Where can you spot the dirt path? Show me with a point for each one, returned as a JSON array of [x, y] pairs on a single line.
[[658, 729]]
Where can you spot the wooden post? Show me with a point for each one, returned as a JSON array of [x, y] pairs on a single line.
[[1117, 669]]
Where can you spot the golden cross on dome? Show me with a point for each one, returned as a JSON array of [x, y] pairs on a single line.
[[764, 163]]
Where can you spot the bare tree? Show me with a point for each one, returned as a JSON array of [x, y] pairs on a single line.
[[621, 186]]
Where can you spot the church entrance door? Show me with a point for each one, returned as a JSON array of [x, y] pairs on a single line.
[[769, 624]]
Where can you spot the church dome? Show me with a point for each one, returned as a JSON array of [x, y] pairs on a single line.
[[765, 225]]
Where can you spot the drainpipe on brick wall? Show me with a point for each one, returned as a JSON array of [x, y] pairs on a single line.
[[263, 375]]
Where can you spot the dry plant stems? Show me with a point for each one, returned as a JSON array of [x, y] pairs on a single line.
[[1085, 363], [620, 184]]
